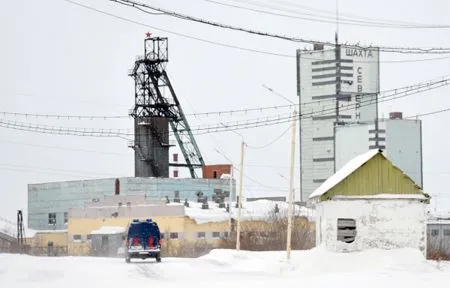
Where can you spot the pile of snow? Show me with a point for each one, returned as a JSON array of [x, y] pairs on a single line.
[[225, 268], [109, 230], [255, 210]]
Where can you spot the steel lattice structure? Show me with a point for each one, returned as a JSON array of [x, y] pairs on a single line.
[[156, 107]]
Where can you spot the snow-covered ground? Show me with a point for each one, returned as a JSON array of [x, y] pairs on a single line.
[[228, 268]]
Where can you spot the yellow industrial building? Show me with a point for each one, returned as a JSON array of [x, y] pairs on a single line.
[[186, 230]]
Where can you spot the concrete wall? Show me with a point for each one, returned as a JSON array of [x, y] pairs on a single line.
[[58, 197], [381, 224], [151, 159]]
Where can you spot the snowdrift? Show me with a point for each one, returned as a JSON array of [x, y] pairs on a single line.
[[221, 268]]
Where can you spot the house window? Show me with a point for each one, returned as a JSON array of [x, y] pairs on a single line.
[[89, 237], [446, 232], [162, 235], [434, 232], [216, 235], [51, 218], [173, 235], [346, 230], [66, 218], [225, 234], [201, 235], [77, 237]]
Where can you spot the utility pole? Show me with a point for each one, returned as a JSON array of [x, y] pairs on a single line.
[[291, 186], [338, 92], [241, 172], [229, 199]]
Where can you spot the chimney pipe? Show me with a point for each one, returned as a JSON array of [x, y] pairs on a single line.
[[395, 115]]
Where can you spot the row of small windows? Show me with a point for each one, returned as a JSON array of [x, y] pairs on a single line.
[[200, 235], [172, 235], [435, 232]]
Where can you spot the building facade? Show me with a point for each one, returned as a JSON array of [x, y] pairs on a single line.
[[400, 139], [335, 86], [49, 203], [369, 203]]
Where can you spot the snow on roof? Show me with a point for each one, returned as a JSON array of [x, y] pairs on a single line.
[[439, 221], [344, 172], [255, 210], [108, 230], [383, 196], [225, 176], [7, 227], [10, 228]]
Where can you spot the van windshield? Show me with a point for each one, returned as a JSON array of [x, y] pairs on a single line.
[[143, 229]]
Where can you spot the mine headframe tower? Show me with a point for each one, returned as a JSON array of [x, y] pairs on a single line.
[[156, 107]]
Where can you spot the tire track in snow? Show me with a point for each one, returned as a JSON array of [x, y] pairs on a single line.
[[146, 270]]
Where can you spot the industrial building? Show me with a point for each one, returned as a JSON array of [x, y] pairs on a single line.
[[370, 203], [97, 228], [400, 139], [158, 118], [335, 86], [49, 203]]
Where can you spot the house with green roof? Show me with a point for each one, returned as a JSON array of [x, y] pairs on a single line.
[[370, 203]]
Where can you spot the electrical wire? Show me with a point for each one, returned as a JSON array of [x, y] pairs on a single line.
[[271, 142], [221, 44], [428, 113], [258, 122], [224, 112], [392, 49], [65, 148], [200, 131], [368, 22]]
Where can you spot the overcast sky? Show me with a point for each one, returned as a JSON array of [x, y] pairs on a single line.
[[59, 58]]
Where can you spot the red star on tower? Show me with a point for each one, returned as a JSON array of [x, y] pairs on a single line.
[[148, 34]]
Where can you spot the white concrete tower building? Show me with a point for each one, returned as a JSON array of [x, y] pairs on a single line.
[[401, 140], [335, 86]]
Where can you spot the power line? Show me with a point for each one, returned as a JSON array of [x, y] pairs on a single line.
[[65, 148], [246, 176], [62, 116], [55, 170], [181, 34], [259, 122], [221, 44], [272, 141], [219, 113], [323, 11], [328, 19], [369, 22], [404, 50], [428, 113]]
